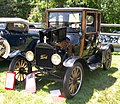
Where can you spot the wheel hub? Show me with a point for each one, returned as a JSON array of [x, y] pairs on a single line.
[[74, 81], [21, 70]]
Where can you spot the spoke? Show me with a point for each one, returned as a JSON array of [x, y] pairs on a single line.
[[71, 87], [75, 88], [72, 73], [24, 64], [71, 77], [70, 82], [22, 76], [18, 75], [18, 63], [17, 66], [21, 63], [76, 72], [78, 79]]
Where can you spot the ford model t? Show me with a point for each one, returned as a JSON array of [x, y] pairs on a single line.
[[69, 46]]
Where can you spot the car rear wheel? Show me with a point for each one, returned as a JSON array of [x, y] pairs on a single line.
[[73, 80], [107, 59], [21, 66]]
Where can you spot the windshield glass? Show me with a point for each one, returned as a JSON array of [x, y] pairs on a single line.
[[69, 19]]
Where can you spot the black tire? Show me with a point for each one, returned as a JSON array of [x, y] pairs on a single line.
[[21, 66], [107, 59], [73, 80]]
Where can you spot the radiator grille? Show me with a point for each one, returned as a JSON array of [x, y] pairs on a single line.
[[43, 57]]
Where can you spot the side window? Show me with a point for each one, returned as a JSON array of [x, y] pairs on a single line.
[[90, 23]]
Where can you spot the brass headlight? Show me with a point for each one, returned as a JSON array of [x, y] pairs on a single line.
[[29, 55], [56, 59]]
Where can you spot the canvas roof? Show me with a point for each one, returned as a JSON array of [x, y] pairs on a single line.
[[72, 9], [13, 20]]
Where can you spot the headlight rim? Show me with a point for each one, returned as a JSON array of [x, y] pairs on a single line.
[[26, 55], [58, 57]]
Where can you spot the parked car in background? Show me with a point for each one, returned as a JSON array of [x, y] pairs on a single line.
[[35, 27], [68, 47], [110, 33], [15, 32]]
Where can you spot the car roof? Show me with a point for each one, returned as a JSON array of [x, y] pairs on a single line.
[[72, 9], [13, 20]]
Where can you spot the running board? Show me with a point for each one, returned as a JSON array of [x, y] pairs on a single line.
[[94, 66]]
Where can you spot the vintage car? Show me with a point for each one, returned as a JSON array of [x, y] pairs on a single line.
[[15, 36], [66, 48]]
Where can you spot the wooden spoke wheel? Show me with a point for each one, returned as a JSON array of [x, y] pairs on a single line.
[[107, 60], [73, 80], [21, 66]]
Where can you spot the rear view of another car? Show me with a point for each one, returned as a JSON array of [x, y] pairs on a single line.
[[15, 32]]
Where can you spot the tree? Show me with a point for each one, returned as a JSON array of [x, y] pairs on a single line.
[[15, 8], [34, 10]]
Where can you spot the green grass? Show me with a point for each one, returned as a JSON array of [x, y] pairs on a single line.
[[99, 87]]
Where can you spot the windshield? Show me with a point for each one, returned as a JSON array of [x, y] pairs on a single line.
[[69, 19]]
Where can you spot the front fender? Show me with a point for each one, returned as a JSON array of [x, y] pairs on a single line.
[[69, 62], [19, 56]]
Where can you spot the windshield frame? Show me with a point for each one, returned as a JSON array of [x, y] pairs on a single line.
[[75, 20]]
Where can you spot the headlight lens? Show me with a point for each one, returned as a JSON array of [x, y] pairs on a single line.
[[56, 59], [29, 55]]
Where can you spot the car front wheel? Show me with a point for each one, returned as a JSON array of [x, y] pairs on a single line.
[[73, 80], [21, 66]]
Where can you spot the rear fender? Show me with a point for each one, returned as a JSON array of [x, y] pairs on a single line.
[[107, 46]]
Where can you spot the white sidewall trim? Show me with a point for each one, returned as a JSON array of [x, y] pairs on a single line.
[[6, 44]]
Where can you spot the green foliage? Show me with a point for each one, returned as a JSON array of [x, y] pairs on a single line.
[[15, 8], [111, 11], [37, 14], [34, 10]]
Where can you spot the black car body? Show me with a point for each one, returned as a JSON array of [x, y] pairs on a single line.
[[69, 46]]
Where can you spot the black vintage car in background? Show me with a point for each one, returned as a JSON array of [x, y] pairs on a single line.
[[66, 48], [14, 32]]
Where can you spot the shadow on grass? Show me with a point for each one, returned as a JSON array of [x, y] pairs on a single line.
[[4, 65], [98, 79]]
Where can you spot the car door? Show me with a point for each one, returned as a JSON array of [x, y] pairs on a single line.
[[91, 34]]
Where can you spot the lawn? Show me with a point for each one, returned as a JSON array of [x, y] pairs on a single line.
[[99, 87]]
